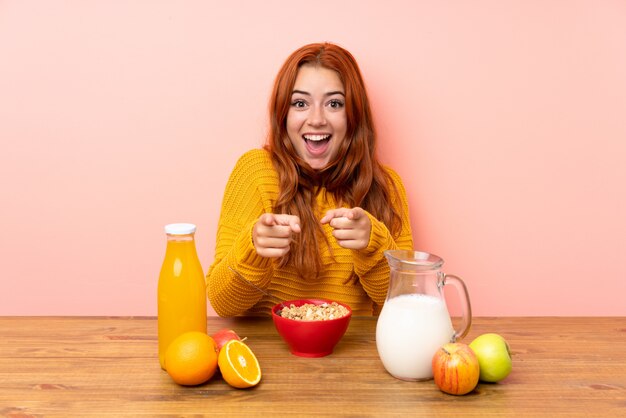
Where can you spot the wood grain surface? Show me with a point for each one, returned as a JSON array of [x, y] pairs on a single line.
[[93, 366]]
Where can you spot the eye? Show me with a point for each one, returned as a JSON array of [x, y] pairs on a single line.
[[298, 103], [336, 104]]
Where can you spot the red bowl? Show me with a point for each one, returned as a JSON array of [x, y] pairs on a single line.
[[310, 338]]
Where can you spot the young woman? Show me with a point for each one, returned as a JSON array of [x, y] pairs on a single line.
[[311, 214]]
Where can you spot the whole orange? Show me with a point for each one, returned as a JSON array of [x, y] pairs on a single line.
[[191, 359]]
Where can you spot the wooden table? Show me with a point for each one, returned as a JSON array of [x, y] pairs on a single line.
[[86, 366]]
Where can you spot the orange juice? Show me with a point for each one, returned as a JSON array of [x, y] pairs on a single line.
[[182, 292]]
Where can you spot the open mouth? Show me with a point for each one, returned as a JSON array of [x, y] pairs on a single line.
[[317, 142]]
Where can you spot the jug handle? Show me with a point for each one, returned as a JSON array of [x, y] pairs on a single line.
[[466, 307]]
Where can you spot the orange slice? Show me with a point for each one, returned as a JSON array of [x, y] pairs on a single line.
[[238, 365]]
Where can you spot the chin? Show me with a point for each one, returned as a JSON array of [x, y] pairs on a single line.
[[316, 165]]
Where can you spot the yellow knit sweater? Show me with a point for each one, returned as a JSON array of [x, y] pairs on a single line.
[[358, 278]]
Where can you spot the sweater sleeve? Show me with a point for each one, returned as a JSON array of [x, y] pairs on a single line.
[[370, 264], [250, 192]]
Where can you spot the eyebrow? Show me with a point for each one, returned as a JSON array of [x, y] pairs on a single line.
[[330, 93]]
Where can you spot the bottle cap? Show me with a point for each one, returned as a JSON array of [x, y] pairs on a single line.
[[180, 229]]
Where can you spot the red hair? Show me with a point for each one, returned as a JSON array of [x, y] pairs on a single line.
[[354, 178]]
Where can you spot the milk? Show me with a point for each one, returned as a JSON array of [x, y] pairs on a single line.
[[409, 331]]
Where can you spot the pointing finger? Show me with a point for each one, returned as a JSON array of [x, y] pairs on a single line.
[[334, 213], [292, 221]]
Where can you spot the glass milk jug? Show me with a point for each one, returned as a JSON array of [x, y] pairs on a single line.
[[181, 292], [414, 321]]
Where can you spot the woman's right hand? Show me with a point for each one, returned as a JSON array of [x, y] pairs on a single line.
[[272, 234]]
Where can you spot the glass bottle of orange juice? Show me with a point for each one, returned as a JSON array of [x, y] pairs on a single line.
[[182, 292]]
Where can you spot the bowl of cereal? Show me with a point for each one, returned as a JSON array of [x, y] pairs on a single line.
[[311, 327]]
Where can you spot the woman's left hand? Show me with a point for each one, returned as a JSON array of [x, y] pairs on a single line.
[[351, 227]]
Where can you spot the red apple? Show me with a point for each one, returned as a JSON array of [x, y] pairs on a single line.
[[222, 336], [456, 369]]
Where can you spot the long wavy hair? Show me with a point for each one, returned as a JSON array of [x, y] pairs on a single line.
[[354, 178]]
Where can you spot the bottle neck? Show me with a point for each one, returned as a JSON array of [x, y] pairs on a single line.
[[179, 238], [179, 245]]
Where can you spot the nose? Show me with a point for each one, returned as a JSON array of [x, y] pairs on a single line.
[[317, 117]]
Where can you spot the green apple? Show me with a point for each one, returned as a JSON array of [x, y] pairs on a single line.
[[493, 355]]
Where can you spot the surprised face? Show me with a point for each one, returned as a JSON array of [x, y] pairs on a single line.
[[316, 121]]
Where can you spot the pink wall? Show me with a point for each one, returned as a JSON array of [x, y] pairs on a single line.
[[505, 119]]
